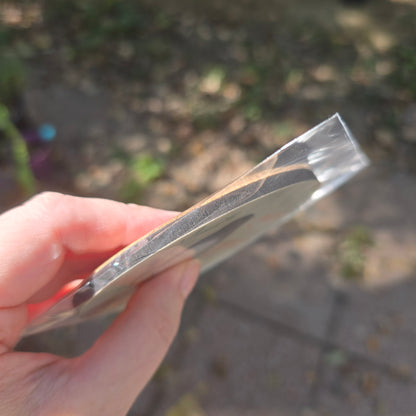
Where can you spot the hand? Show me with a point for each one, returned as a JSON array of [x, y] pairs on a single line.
[[49, 241]]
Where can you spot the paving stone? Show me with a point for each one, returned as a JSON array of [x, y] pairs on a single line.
[[283, 277], [376, 197], [360, 391], [343, 207], [380, 325], [379, 318], [74, 113], [224, 364], [234, 367]]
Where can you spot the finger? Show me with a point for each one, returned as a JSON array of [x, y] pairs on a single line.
[[74, 267], [37, 235], [36, 309], [123, 360], [12, 321]]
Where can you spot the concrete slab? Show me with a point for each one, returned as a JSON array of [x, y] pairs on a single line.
[[356, 390], [376, 197], [233, 367], [380, 325], [225, 363], [379, 317], [283, 277]]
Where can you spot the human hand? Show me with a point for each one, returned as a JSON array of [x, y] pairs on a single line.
[[46, 243]]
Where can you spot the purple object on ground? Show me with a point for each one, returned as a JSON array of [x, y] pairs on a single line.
[[40, 163], [31, 137]]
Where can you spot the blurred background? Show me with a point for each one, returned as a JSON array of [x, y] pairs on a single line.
[[163, 102]]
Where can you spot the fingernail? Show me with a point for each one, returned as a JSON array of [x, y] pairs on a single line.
[[190, 277]]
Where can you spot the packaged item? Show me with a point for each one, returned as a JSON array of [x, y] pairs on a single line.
[[301, 172]]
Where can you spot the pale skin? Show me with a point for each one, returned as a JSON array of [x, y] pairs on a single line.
[[44, 244]]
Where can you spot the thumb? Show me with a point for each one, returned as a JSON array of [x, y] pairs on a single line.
[[108, 377]]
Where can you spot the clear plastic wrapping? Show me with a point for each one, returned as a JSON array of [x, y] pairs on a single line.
[[304, 170]]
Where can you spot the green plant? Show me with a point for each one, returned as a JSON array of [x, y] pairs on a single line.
[[252, 111], [336, 358], [404, 74], [12, 77], [146, 168], [213, 80], [186, 406], [24, 173], [98, 26], [131, 190], [352, 252], [143, 170]]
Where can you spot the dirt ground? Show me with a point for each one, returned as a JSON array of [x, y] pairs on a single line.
[[162, 103], [205, 91]]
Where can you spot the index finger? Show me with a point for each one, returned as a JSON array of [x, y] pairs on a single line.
[[36, 236]]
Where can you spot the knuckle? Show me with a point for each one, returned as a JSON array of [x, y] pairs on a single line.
[[44, 203], [47, 199]]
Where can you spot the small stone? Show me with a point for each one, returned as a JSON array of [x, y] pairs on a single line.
[[324, 73], [369, 384], [126, 50], [272, 261], [310, 377], [336, 358], [403, 371], [209, 294], [372, 344], [231, 92], [191, 335], [219, 367], [385, 138]]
